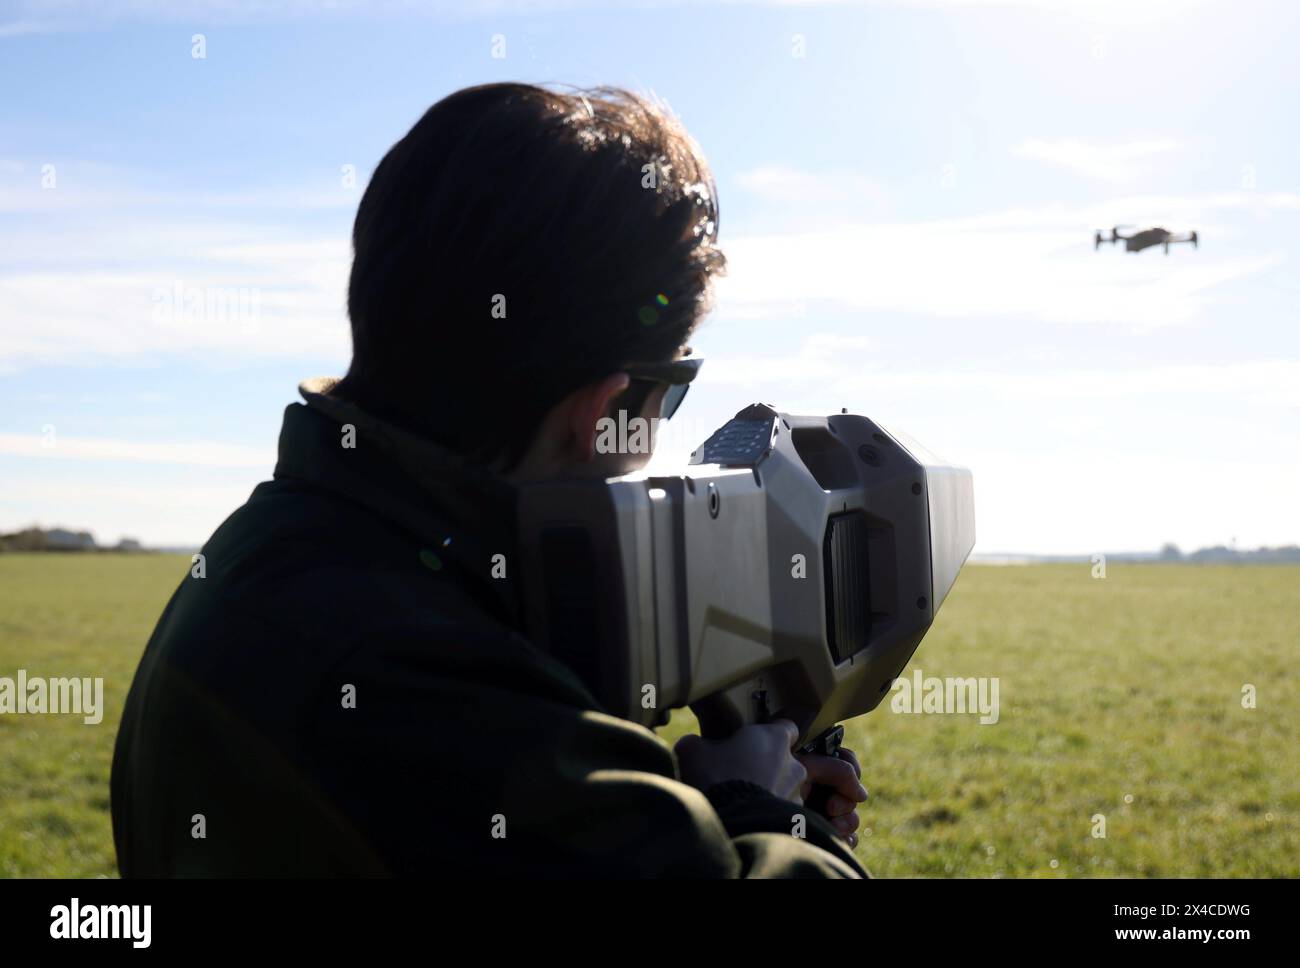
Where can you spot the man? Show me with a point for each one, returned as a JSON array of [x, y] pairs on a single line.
[[341, 686]]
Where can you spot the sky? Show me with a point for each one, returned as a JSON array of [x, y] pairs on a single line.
[[909, 193]]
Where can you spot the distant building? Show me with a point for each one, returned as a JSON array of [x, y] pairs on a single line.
[[128, 544]]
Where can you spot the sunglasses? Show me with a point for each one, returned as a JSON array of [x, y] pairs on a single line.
[[675, 374]]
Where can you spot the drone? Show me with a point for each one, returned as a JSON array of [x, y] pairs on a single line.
[[1144, 239]]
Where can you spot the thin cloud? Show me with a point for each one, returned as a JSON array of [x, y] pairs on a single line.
[[952, 271], [84, 14], [21, 28], [191, 452], [84, 286], [836, 365], [790, 186], [1027, 263], [1110, 163]]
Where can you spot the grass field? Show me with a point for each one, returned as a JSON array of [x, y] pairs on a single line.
[[1120, 697]]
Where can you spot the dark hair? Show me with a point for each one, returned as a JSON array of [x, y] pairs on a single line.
[[589, 217]]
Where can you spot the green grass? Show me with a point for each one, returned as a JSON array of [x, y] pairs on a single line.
[[70, 615], [1110, 689], [1127, 687]]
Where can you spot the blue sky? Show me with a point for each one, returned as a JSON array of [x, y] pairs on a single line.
[[908, 190]]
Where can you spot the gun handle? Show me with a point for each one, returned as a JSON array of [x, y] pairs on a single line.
[[827, 744]]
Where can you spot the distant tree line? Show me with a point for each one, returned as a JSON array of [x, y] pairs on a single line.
[[63, 539], [60, 539], [1221, 554]]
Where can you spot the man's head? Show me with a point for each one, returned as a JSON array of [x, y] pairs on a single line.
[[514, 253]]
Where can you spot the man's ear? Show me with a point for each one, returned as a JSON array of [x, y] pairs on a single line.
[[587, 405]]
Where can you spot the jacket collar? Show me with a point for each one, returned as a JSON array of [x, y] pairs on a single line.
[[460, 514]]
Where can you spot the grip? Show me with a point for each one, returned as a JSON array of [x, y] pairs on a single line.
[[827, 744]]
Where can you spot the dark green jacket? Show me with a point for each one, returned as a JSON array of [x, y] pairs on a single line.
[[365, 571]]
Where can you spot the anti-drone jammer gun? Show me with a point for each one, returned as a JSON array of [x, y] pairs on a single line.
[[791, 574]]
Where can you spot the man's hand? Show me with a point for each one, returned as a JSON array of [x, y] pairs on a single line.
[[843, 775], [760, 754]]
